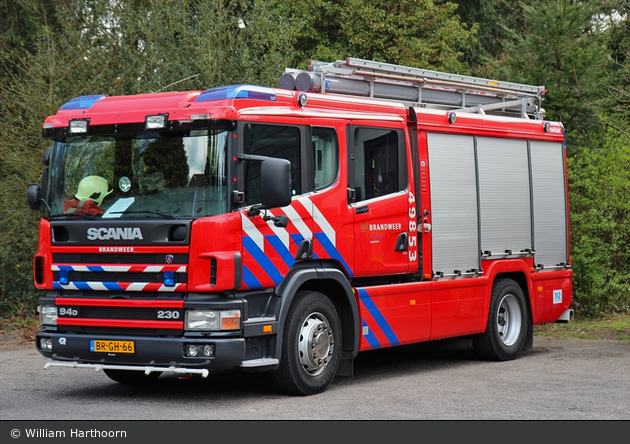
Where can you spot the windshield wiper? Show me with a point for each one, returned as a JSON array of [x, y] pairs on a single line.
[[83, 215], [159, 213]]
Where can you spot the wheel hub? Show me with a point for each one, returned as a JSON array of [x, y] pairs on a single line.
[[509, 320], [315, 344]]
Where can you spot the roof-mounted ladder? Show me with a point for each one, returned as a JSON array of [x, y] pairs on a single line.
[[417, 87]]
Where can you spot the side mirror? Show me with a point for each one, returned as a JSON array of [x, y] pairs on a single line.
[[275, 182], [35, 196]]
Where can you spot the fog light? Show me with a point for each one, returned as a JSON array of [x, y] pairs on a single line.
[[45, 343], [208, 350], [192, 350]]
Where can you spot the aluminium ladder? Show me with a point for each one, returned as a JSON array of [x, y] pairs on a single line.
[[417, 87]]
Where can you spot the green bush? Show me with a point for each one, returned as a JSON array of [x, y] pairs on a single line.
[[599, 201]]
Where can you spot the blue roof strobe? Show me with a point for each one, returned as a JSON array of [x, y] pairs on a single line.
[[237, 92], [82, 102]]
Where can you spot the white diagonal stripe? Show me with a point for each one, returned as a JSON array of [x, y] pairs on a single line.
[[250, 229], [136, 286], [97, 286], [282, 233], [297, 220], [320, 220]]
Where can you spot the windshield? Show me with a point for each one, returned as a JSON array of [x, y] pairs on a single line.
[[153, 175]]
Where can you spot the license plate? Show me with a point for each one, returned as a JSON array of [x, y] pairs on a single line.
[[104, 346]]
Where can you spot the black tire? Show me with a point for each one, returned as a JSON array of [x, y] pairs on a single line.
[[508, 323], [311, 346], [131, 377]]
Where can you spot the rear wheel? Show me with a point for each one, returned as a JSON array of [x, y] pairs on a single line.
[[131, 377], [311, 345], [507, 323]]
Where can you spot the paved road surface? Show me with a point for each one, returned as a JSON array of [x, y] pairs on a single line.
[[560, 379]]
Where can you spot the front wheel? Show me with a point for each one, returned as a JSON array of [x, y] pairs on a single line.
[[311, 345], [507, 323]]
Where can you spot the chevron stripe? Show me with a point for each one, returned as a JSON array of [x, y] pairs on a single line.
[[119, 286], [121, 268]]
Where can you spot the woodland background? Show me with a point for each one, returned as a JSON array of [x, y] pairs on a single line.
[[54, 50]]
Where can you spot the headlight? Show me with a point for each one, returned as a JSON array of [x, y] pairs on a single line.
[[213, 320], [48, 315]]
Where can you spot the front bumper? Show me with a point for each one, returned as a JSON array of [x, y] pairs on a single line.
[[168, 353]]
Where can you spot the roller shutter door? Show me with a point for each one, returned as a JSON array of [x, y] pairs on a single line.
[[504, 195], [550, 204], [454, 209]]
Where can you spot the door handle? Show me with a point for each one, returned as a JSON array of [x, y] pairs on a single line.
[[402, 242]]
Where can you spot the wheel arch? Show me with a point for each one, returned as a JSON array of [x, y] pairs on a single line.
[[334, 284]]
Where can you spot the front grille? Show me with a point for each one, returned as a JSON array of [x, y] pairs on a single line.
[[126, 295], [109, 331], [88, 258], [119, 277], [119, 258], [136, 314]]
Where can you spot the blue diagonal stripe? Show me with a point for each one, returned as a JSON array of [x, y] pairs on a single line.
[[281, 249], [372, 340], [378, 317], [251, 247], [249, 279], [332, 250]]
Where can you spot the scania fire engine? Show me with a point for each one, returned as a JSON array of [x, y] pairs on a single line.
[[357, 206]]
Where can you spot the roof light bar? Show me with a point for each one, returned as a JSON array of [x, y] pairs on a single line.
[[82, 102], [237, 92]]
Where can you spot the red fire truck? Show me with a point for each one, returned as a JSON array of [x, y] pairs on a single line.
[[358, 206]]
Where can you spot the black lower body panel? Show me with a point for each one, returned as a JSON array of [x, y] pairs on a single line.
[[227, 352]]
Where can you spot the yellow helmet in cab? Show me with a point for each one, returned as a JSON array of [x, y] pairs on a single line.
[[93, 188]]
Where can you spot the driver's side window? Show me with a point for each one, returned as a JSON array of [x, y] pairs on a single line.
[[281, 141]]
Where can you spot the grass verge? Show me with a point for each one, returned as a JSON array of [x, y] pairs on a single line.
[[611, 327]]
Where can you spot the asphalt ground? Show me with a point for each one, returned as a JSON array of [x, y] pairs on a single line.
[[559, 379]]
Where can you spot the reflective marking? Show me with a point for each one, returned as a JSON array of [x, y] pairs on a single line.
[[298, 222], [369, 337], [332, 250], [378, 317], [281, 233], [320, 220], [252, 232], [282, 249], [116, 286], [249, 279], [259, 256]]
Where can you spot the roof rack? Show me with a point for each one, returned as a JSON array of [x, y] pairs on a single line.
[[417, 87]]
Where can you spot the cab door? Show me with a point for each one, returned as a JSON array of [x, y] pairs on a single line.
[[378, 198]]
